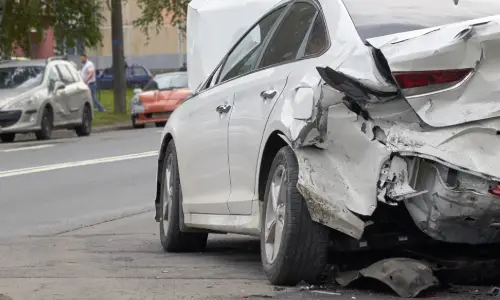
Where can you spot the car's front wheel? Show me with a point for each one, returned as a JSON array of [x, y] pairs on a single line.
[[172, 238], [293, 247], [86, 127], [7, 137], [46, 125]]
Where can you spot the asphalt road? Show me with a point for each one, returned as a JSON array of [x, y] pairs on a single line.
[[76, 222], [60, 184]]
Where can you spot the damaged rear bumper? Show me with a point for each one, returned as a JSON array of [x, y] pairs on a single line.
[[442, 175]]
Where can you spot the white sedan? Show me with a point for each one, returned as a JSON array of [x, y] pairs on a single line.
[[341, 125]]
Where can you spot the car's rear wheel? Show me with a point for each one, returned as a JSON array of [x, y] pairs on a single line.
[[160, 124], [7, 137], [46, 125], [134, 123], [172, 238], [293, 247], [86, 127]]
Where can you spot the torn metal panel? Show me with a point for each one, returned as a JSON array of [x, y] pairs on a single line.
[[472, 148], [347, 170], [472, 45], [405, 276], [394, 182], [362, 141], [457, 208]]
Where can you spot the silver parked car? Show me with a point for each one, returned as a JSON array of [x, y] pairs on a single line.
[[341, 125], [40, 95]]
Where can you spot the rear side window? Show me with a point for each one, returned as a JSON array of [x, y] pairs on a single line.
[[318, 39], [384, 17], [286, 41]]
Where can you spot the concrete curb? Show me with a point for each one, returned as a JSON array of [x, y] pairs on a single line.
[[63, 134], [114, 127]]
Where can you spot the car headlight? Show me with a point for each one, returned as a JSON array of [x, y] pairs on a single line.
[[23, 103], [135, 101]]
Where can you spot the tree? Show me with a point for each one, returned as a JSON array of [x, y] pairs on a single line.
[[153, 12], [25, 21]]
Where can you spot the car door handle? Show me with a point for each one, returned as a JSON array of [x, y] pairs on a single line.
[[270, 94], [223, 108]]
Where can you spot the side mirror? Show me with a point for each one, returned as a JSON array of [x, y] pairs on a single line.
[[137, 91]]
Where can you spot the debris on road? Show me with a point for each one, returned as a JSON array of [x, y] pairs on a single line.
[[407, 277], [495, 291]]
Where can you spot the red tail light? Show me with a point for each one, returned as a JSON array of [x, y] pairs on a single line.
[[406, 80], [495, 190]]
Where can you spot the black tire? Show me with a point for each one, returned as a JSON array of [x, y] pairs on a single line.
[[47, 125], [7, 137], [135, 125], [302, 253], [172, 238], [86, 127], [160, 124]]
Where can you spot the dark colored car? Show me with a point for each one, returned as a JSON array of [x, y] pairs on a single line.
[[137, 76]]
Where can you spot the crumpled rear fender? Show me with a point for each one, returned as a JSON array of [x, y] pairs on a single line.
[[352, 134]]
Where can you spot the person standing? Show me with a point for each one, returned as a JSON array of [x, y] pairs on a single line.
[[89, 77], [183, 68]]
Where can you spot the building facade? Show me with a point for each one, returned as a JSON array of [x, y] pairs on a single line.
[[43, 49], [165, 50]]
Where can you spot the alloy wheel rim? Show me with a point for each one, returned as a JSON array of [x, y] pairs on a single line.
[[167, 191], [275, 214]]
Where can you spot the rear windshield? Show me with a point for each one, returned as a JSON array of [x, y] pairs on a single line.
[[383, 17]]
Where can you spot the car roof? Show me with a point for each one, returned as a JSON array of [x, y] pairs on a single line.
[[24, 63]]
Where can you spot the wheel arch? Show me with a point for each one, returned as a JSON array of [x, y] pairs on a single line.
[[42, 109], [161, 157], [276, 140], [89, 105]]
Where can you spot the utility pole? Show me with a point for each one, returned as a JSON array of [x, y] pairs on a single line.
[[118, 56], [2, 9]]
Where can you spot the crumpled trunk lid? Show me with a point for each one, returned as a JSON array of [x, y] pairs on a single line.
[[460, 64]]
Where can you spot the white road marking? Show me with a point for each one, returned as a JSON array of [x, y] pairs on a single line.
[[29, 148], [326, 293], [23, 171]]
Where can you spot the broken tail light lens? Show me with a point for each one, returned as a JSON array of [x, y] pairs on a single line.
[[430, 81]]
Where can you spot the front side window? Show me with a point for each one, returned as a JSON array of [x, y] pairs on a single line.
[[73, 72], [20, 77], [244, 56], [54, 75], [65, 74], [286, 41]]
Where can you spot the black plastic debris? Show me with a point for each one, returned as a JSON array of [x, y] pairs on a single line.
[[405, 276], [495, 292]]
